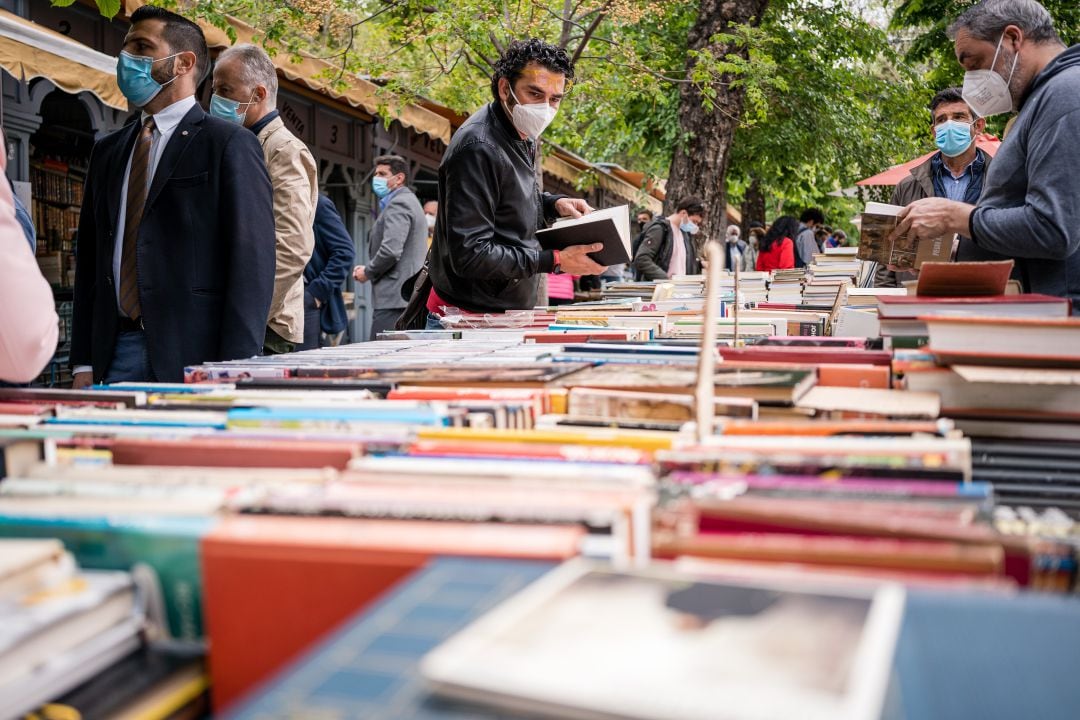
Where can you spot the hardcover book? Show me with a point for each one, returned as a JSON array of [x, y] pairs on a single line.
[[610, 227]]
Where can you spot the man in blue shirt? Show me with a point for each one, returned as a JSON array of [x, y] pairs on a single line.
[[955, 171]]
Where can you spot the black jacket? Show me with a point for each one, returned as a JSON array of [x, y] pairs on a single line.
[[330, 265], [485, 256], [205, 249], [654, 254]]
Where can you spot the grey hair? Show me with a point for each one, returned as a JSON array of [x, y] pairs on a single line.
[[733, 231], [256, 67], [988, 20]]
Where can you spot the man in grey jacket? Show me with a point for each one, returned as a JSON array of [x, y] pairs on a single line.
[[956, 171], [1029, 209], [397, 244]]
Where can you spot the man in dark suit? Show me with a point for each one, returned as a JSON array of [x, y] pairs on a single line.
[[324, 308], [397, 244], [175, 257]]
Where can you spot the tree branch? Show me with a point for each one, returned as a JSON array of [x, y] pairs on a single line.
[[600, 15], [495, 42], [564, 36], [642, 68]]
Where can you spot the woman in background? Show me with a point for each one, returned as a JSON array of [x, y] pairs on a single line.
[[777, 251]]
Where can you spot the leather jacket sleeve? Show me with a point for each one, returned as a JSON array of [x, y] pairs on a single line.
[[472, 220]]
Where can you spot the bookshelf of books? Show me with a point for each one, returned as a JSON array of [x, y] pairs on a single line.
[[60, 152], [523, 510]]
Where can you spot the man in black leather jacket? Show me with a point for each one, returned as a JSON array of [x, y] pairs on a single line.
[[484, 255]]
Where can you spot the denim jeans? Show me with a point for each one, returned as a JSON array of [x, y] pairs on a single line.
[[131, 359], [433, 322]]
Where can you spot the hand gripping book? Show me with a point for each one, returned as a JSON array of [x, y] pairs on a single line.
[[905, 253], [610, 227]]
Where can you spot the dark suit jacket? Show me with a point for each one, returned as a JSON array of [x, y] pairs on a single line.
[[397, 247], [330, 265], [205, 249]]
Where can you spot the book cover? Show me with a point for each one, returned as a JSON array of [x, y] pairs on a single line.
[[710, 648], [610, 227], [905, 252], [317, 572]]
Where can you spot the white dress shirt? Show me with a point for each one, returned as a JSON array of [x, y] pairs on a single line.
[[165, 122]]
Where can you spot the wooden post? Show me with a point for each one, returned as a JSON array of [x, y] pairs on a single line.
[[704, 403]]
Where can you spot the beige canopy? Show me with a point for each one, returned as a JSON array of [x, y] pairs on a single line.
[[29, 51]]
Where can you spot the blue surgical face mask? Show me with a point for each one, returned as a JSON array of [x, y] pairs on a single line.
[[226, 109], [380, 187], [689, 226], [135, 79], [953, 137]]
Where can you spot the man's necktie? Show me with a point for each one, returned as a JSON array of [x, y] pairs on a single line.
[[136, 198]]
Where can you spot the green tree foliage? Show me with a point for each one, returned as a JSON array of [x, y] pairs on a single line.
[[840, 105], [922, 24]]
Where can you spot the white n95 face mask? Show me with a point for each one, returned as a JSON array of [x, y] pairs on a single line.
[[986, 91], [533, 119]]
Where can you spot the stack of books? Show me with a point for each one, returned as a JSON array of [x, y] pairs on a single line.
[[60, 625], [786, 286]]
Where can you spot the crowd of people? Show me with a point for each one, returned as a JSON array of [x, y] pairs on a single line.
[[203, 235]]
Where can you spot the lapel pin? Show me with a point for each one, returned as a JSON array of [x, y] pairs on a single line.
[[183, 132]]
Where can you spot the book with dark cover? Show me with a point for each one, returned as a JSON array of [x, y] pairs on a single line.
[[610, 227]]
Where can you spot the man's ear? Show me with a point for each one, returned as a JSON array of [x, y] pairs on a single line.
[[1014, 37], [185, 63], [504, 90], [980, 126]]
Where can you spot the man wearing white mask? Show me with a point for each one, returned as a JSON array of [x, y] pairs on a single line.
[[485, 256], [431, 209], [956, 171], [1028, 210]]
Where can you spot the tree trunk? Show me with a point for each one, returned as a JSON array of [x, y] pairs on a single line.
[[753, 206], [700, 164]]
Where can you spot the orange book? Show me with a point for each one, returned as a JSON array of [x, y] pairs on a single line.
[[275, 585], [234, 452], [866, 376]]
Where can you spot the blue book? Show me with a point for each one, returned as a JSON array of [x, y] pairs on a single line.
[[374, 413]]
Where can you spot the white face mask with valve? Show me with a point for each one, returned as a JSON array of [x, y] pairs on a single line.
[[531, 120], [986, 91]]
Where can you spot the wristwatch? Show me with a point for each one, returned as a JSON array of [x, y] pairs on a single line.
[[557, 270]]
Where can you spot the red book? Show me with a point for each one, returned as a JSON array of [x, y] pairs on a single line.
[[275, 585], [807, 355], [1032, 305], [234, 452]]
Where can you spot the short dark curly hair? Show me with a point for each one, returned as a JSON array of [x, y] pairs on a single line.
[[522, 52]]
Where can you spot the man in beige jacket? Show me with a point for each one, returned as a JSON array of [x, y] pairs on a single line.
[[245, 91]]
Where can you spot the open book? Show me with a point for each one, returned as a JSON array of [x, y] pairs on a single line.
[[610, 227], [905, 253]]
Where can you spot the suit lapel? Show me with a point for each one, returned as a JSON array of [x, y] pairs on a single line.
[[184, 133]]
